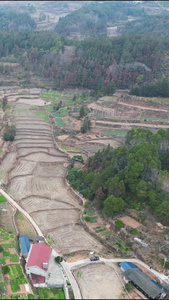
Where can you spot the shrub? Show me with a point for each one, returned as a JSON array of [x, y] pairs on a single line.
[[5, 270], [128, 287], [58, 259], [1, 249], [119, 224]]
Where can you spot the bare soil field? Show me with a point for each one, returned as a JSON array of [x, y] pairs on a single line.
[[99, 281], [37, 182]]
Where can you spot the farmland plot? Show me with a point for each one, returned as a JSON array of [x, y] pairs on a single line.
[[53, 170], [53, 219], [74, 238], [7, 165], [35, 203], [37, 182], [22, 167]]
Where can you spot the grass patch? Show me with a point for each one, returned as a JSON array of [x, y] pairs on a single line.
[[34, 106], [115, 132], [8, 106], [19, 216], [1, 151], [68, 149], [59, 123], [2, 199]]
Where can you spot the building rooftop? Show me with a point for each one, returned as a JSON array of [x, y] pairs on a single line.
[[25, 244], [40, 253], [128, 265], [144, 282]]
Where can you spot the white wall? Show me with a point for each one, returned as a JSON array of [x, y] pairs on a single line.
[[35, 270]]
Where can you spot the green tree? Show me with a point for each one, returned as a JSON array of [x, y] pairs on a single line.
[[113, 205]]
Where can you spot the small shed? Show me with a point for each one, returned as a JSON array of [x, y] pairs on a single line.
[[24, 245]]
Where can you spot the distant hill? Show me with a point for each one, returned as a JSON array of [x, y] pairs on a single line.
[[152, 24], [94, 18], [11, 20]]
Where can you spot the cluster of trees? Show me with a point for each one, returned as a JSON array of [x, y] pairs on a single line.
[[12, 20], [151, 24], [127, 176], [9, 132], [92, 19], [86, 125], [157, 88]]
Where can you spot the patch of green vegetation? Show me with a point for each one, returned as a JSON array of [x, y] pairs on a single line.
[[19, 216], [20, 296], [53, 293], [34, 106], [15, 288], [105, 232], [134, 231], [68, 149], [59, 123], [119, 224], [6, 253], [1, 151], [116, 132], [90, 219], [63, 111], [2, 199], [42, 115], [164, 120], [8, 106], [14, 258], [86, 205], [79, 274], [101, 230], [30, 296], [89, 212]]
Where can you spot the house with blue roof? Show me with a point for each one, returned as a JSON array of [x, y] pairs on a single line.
[[24, 245], [128, 265]]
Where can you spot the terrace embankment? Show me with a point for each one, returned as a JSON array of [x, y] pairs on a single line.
[[37, 182]]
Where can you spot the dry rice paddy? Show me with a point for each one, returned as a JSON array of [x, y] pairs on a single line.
[[37, 181]]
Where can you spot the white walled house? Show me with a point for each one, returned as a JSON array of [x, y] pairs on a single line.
[[37, 263]]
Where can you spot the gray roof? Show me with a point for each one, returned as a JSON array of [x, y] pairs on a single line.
[[143, 281], [33, 237]]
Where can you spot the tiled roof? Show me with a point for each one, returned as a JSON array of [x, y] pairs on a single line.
[[40, 253], [25, 245]]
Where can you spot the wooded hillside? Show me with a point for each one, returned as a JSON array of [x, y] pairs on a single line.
[[130, 176]]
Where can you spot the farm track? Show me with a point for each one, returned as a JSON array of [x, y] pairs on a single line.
[[37, 183]]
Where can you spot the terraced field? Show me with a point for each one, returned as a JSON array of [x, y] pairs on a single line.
[[37, 181]]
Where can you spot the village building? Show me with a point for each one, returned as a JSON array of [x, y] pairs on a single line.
[[144, 283], [41, 267], [24, 245]]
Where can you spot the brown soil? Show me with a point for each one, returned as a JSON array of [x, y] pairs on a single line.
[[99, 282], [130, 222]]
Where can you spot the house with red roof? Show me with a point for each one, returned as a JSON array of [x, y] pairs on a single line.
[[37, 263]]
